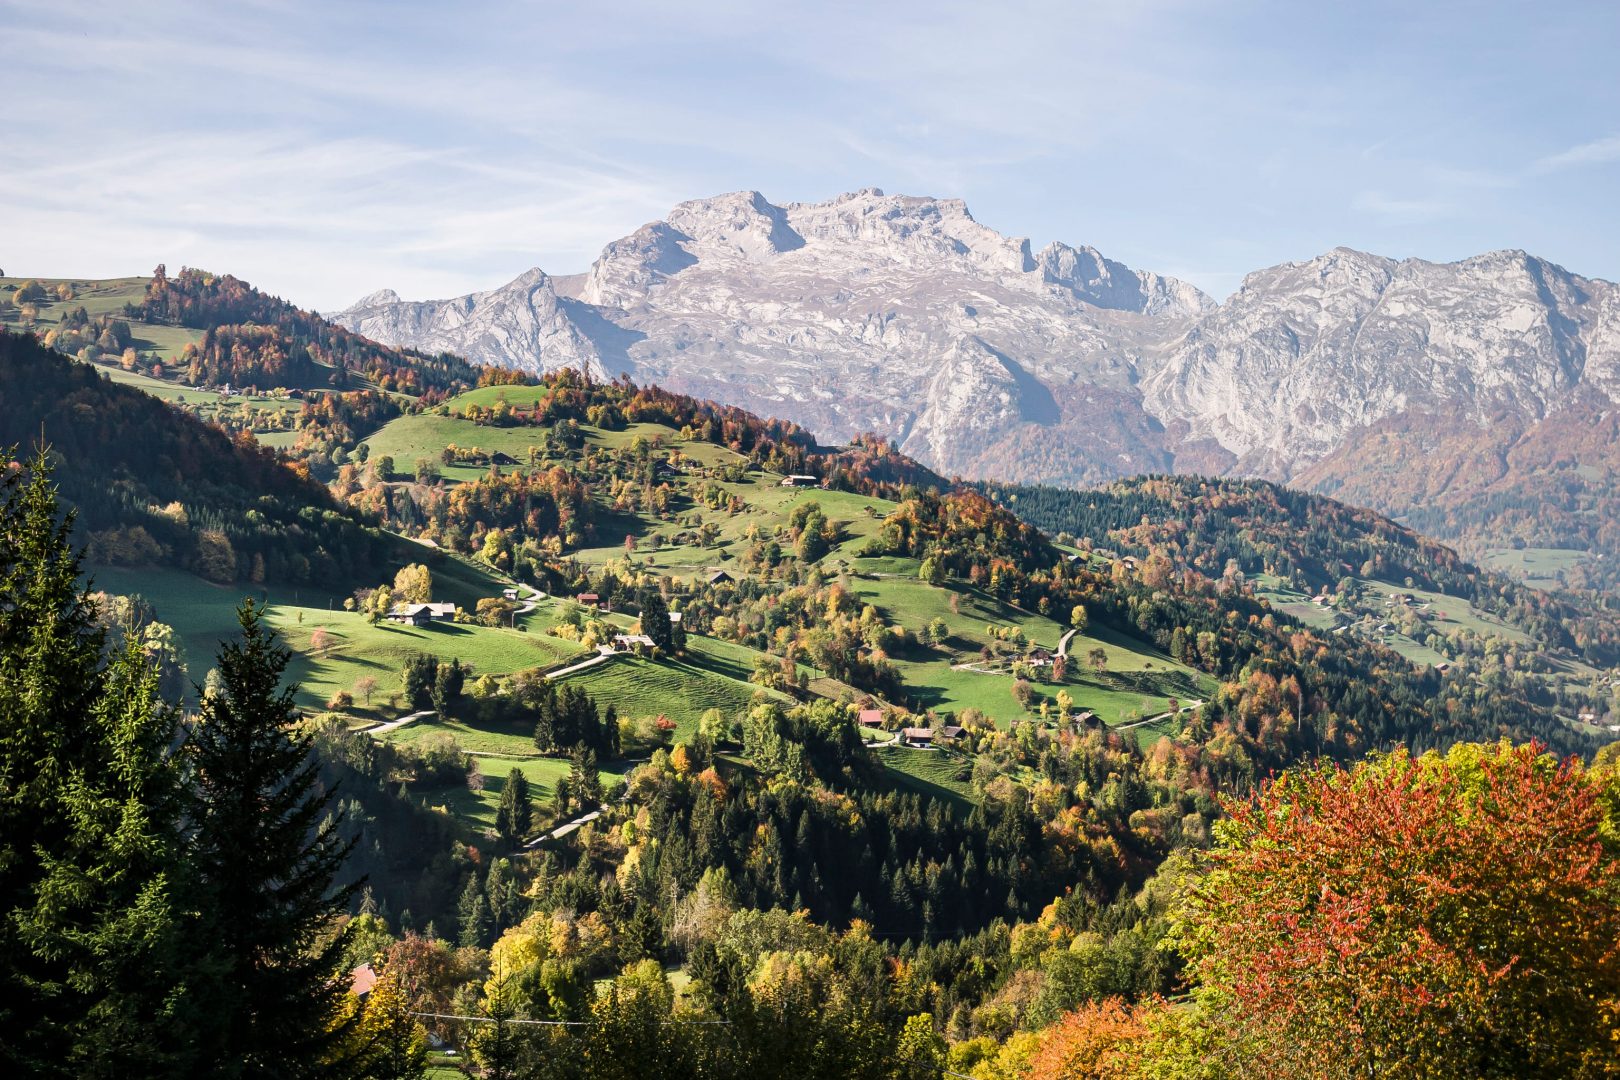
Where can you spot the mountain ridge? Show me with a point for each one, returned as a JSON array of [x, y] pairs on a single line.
[[905, 316]]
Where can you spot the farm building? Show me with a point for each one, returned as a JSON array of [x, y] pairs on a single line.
[[718, 577], [500, 458], [917, 736], [800, 480], [870, 718], [421, 614], [590, 599], [362, 979]]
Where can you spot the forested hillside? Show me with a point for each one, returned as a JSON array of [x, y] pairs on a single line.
[[251, 339], [153, 486], [1345, 570]]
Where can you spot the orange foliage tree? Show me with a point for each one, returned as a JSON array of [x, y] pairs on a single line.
[[1094, 1042], [1455, 916]]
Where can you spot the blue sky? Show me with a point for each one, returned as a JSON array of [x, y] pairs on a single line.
[[323, 150]]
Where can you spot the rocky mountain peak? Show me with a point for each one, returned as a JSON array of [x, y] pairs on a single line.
[[904, 315]]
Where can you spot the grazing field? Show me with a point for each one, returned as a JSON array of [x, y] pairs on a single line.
[[938, 773], [501, 741], [682, 691], [103, 297], [203, 614], [1543, 568], [358, 650], [478, 807], [1135, 681]]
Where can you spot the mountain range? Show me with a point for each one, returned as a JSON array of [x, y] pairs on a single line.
[[1427, 390]]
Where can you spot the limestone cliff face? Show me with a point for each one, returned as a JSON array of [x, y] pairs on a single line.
[[1307, 353], [905, 316]]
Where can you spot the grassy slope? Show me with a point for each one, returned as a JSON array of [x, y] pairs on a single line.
[[1542, 568], [106, 297], [1441, 613], [1137, 681]]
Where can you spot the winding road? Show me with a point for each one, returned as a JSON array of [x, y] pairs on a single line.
[[604, 653], [393, 725], [1155, 719], [563, 830]]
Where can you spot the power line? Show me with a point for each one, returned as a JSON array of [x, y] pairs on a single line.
[[558, 1023]]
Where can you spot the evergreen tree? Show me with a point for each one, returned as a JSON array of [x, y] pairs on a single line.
[[515, 815], [266, 860], [655, 621], [108, 908], [417, 678], [89, 984], [49, 656], [473, 910]]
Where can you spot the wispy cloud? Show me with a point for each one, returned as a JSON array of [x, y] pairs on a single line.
[[1399, 209], [325, 150], [1595, 152]]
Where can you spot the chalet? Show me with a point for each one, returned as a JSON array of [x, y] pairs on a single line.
[[1442, 667], [631, 642], [871, 718], [951, 732], [917, 736], [674, 616], [719, 577], [1040, 658], [1587, 718], [362, 979], [442, 612], [1087, 718], [414, 614], [499, 458], [800, 480], [509, 594], [589, 599]]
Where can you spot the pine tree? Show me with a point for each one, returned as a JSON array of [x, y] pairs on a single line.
[[49, 655], [267, 858], [473, 910], [515, 815], [89, 983], [655, 621], [108, 909]]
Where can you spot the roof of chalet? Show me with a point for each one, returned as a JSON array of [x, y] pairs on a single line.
[[362, 979]]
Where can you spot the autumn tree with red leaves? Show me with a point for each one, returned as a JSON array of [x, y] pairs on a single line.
[[1455, 916]]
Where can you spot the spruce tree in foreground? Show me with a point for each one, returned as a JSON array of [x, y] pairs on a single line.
[[89, 983], [266, 856]]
